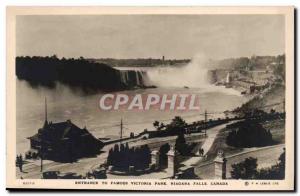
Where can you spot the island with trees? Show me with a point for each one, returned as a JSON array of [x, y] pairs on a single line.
[[80, 74]]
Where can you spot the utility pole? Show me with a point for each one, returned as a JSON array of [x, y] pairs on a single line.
[[121, 131], [46, 109], [205, 121], [41, 154], [42, 135]]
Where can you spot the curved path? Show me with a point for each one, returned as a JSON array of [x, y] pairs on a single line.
[[82, 166], [211, 136]]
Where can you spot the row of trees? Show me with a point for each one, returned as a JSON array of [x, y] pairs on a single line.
[[80, 72], [121, 157], [179, 126], [255, 62], [247, 169], [140, 62], [175, 127]]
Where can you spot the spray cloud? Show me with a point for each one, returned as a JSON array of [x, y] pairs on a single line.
[[193, 74]]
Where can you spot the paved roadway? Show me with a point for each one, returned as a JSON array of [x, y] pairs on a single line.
[[32, 170], [82, 166], [266, 157], [211, 136]]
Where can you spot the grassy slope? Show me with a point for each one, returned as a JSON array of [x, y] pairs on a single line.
[[220, 143], [276, 127], [274, 94]]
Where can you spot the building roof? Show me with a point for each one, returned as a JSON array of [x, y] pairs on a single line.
[[60, 131], [35, 137]]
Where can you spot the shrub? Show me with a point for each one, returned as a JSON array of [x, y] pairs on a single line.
[[249, 134]]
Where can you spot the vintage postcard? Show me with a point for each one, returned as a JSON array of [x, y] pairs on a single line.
[[150, 98]]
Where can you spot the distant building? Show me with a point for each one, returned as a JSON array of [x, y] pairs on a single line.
[[64, 142]]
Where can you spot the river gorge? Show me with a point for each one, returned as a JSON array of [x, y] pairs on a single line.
[[83, 109]]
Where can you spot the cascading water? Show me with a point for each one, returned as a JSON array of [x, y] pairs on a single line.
[[138, 77], [193, 74], [132, 77], [125, 79]]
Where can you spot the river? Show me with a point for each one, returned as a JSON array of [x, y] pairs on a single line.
[[83, 110]]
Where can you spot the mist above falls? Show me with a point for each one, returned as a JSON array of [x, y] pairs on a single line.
[[193, 74]]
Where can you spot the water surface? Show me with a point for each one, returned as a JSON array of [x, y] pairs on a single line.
[[83, 110]]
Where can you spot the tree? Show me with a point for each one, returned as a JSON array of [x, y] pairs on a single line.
[[54, 56], [180, 145], [282, 159], [245, 170], [272, 111], [77, 73], [110, 157], [131, 135], [156, 124], [249, 133], [126, 147], [123, 157], [147, 156], [177, 125], [161, 126], [279, 69], [116, 148], [177, 122], [163, 158], [276, 172]]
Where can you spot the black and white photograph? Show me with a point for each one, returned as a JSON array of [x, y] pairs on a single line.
[[194, 98]]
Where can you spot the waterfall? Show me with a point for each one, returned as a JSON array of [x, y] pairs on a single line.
[[123, 77], [137, 77], [228, 78], [126, 77], [193, 74], [132, 77]]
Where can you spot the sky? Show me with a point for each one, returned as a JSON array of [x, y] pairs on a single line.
[[150, 36]]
